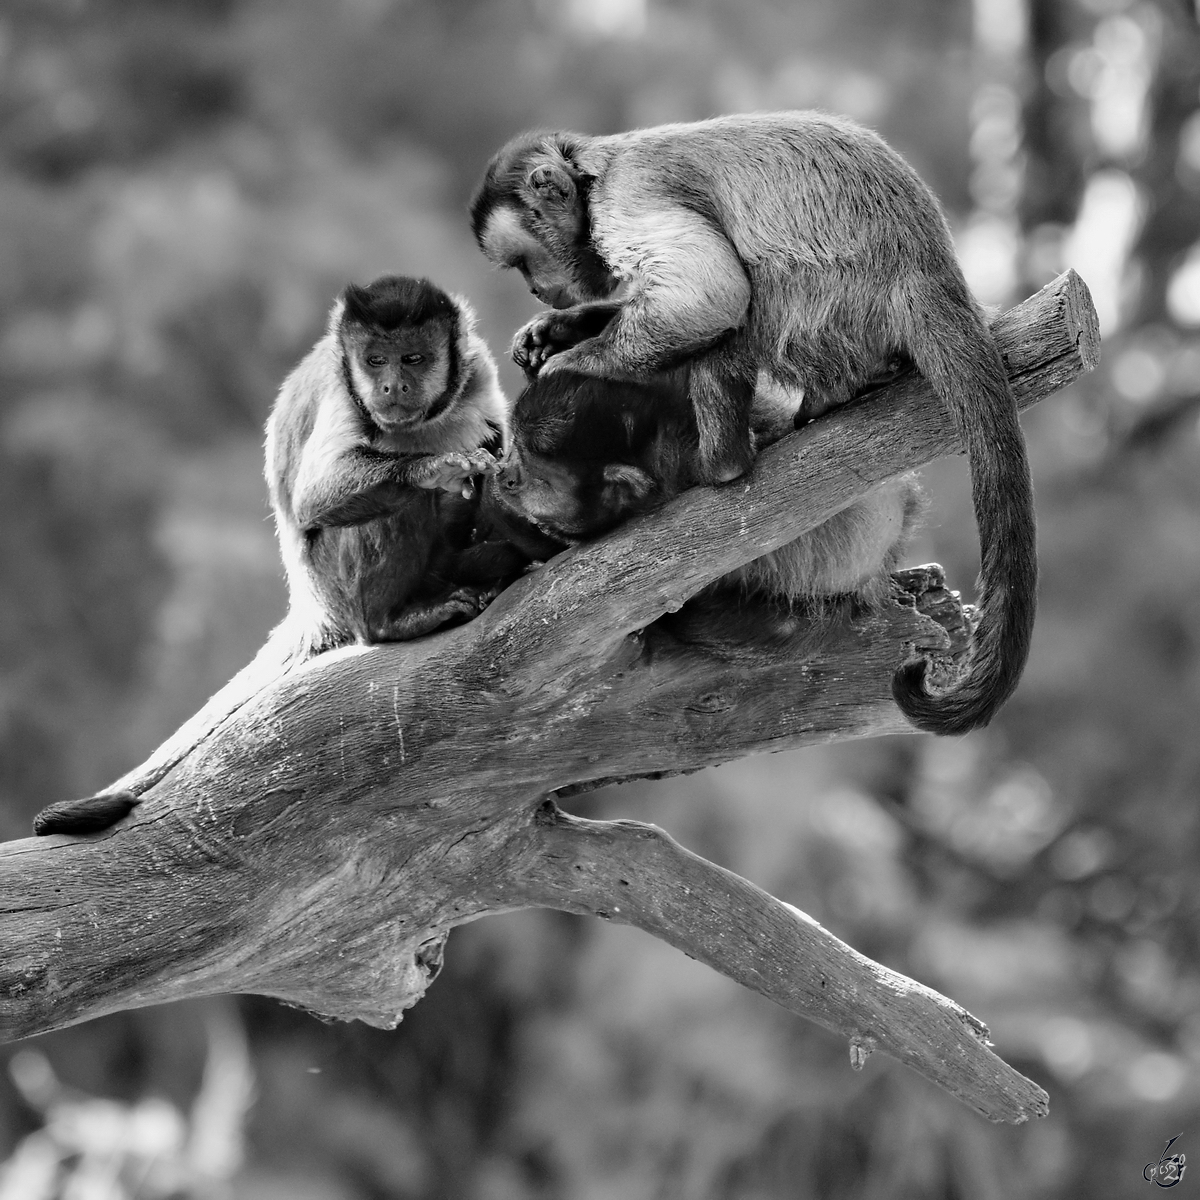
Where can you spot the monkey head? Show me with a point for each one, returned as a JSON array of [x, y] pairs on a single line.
[[587, 453], [531, 213], [400, 345]]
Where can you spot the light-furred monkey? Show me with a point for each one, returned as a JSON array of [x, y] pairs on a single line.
[[372, 449], [795, 243]]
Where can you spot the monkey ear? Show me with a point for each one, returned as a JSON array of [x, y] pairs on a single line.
[[631, 483], [550, 181], [357, 305]]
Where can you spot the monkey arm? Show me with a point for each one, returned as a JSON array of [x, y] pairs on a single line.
[[689, 291], [361, 484]]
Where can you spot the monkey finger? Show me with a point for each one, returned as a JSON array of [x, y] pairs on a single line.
[[445, 472], [482, 463]]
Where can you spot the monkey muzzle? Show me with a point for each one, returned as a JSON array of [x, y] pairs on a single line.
[[508, 481]]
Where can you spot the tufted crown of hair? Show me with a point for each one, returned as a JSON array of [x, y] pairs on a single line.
[[393, 301]]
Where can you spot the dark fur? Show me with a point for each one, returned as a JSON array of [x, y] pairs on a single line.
[[588, 454], [819, 255]]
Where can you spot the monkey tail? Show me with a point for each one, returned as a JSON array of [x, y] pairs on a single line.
[[954, 350], [91, 815], [286, 647]]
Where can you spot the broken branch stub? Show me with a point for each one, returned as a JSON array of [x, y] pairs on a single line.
[[318, 828]]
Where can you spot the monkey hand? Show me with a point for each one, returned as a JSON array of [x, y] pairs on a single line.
[[454, 472], [547, 336], [471, 601]]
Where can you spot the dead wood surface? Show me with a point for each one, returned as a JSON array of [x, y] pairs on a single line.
[[317, 829]]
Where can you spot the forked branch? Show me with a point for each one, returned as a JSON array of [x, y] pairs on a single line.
[[318, 829]]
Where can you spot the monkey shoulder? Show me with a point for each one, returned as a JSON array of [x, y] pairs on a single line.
[[311, 401]]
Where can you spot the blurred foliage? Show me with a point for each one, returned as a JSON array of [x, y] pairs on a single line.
[[185, 184]]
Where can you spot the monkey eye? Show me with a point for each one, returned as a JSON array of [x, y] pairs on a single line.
[[376, 360], [410, 360]]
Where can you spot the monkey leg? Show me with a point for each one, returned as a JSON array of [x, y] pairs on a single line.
[[426, 616], [722, 396], [849, 556]]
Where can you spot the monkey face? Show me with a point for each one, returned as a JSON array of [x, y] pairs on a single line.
[[571, 499], [401, 375], [532, 214], [524, 240]]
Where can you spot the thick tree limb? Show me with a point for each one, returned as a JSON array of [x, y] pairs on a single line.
[[315, 832]]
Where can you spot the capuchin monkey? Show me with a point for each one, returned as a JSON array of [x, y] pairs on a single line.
[[798, 244], [374, 448], [587, 454]]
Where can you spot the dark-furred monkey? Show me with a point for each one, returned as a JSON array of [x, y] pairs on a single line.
[[587, 454], [798, 244], [373, 447]]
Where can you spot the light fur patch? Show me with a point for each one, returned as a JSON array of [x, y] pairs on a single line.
[[363, 383], [504, 238], [687, 280], [775, 407], [336, 430]]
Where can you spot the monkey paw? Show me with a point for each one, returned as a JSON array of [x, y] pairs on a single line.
[[531, 345], [547, 336], [454, 472], [470, 601]]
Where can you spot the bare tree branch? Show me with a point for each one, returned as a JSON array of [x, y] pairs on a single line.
[[634, 873], [315, 832]]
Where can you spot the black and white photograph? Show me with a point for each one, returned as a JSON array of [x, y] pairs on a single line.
[[599, 599]]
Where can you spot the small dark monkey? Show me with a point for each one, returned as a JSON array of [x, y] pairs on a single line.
[[797, 244], [587, 454], [372, 449]]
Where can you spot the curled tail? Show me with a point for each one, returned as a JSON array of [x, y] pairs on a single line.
[[288, 646], [954, 350]]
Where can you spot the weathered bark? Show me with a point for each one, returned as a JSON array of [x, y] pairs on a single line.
[[318, 829]]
